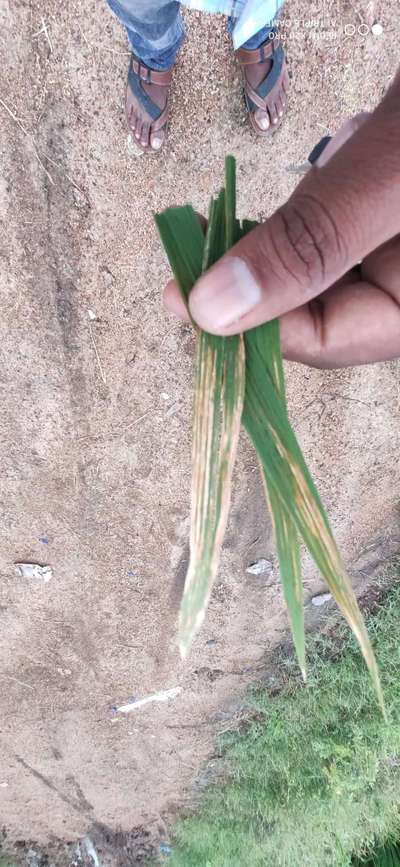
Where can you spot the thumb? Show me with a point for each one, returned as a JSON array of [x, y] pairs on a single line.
[[335, 217]]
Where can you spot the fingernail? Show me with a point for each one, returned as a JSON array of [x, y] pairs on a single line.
[[224, 295]]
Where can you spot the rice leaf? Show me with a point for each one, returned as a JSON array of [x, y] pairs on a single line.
[[229, 371], [186, 260], [266, 422], [219, 393], [232, 225], [286, 535], [218, 404], [267, 339]]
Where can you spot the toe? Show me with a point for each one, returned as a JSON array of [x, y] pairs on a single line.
[[138, 128], [273, 113], [157, 140], [144, 135], [131, 116], [135, 125], [279, 106], [262, 120], [130, 110]]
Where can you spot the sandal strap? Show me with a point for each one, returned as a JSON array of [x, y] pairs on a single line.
[[258, 55], [258, 101], [157, 116], [161, 121], [151, 76], [261, 96]]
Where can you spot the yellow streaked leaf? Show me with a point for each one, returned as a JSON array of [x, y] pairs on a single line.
[[247, 372]]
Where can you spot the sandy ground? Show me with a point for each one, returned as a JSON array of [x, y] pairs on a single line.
[[95, 423]]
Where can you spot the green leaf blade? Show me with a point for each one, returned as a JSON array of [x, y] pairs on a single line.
[[266, 340], [186, 260], [219, 394], [218, 405], [273, 438], [243, 376]]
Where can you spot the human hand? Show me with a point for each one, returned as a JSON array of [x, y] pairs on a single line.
[[303, 263]]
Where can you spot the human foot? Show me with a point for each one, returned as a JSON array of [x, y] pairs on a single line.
[[147, 104], [266, 84]]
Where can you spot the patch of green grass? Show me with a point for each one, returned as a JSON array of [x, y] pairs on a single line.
[[316, 778], [382, 856]]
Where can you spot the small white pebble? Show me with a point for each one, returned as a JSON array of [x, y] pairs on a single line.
[[260, 566], [92, 316], [377, 29], [34, 570], [321, 599], [164, 395], [132, 147]]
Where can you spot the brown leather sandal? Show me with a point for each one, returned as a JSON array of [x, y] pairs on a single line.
[[139, 72], [272, 87]]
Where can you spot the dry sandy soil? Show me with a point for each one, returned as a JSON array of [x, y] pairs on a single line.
[[95, 422]]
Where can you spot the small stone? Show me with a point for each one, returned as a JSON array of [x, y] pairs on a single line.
[[377, 29], [260, 567], [133, 149], [34, 570], [80, 200], [321, 599], [108, 276]]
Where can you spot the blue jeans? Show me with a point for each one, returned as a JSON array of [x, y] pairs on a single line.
[[155, 29]]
